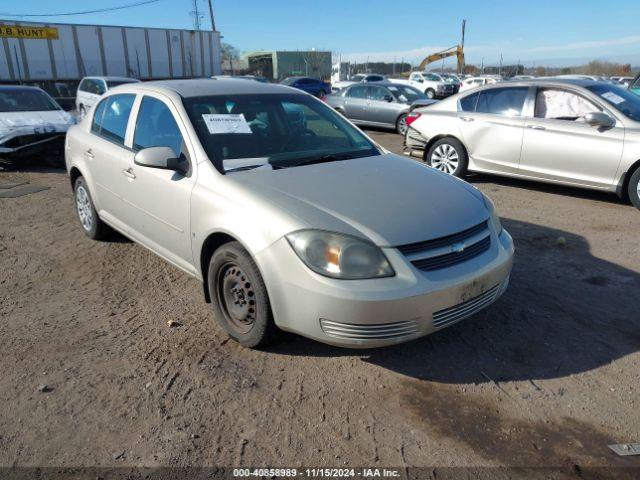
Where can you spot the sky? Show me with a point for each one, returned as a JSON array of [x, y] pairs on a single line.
[[543, 32]]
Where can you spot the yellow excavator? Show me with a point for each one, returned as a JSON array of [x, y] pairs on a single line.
[[449, 52]]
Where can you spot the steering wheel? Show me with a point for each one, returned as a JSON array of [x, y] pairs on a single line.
[[305, 133]]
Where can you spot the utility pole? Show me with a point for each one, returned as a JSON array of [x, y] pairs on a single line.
[[500, 69], [464, 27], [482, 67], [197, 16], [213, 23]]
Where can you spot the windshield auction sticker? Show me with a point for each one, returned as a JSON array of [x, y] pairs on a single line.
[[226, 123]]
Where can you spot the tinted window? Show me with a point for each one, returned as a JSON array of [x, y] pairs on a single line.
[[379, 93], [468, 103], [274, 129], [99, 87], [502, 101], [83, 85], [357, 92], [25, 100], [111, 117], [374, 78], [619, 98], [156, 127]]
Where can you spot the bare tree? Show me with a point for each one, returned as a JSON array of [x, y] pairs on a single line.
[[230, 54]]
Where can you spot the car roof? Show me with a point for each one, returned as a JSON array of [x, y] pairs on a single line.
[[548, 81], [13, 88], [210, 86], [112, 79]]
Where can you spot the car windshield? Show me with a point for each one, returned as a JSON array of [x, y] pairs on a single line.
[[115, 83], [240, 132], [406, 94], [619, 98], [23, 100]]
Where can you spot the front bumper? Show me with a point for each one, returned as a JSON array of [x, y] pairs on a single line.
[[386, 311]]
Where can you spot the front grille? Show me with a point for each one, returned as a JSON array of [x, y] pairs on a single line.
[[453, 258], [451, 315], [349, 331], [443, 241]]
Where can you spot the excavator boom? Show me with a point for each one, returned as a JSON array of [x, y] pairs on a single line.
[[450, 52]]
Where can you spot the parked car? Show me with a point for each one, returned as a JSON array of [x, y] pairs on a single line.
[[582, 133], [475, 82], [453, 79], [379, 105], [626, 81], [307, 84], [91, 89], [433, 85], [359, 78], [241, 77], [31, 123], [522, 77], [314, 230]]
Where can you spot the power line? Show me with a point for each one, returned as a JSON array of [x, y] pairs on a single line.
[[85, 12]]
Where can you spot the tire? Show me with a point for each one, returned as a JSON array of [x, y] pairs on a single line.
[[239, 297], [449, 156], [92, 226], [430, 93], [401, 124], [634, 188]]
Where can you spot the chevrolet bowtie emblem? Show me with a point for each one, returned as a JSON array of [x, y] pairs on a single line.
[[457, 247]]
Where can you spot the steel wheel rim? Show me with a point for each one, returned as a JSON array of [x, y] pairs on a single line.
[[445, 158], [236, 297], [402, 125], [638, 189], [83, 206]]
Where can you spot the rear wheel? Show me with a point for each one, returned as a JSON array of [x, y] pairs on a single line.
[[634, 188], [401, 124], [239, 297], [430, 93], [449, 156]]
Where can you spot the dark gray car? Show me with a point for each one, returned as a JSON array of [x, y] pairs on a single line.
[[380, 105]]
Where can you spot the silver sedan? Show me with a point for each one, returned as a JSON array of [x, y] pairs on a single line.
[[575, 132], [381, 105], [290, 217]]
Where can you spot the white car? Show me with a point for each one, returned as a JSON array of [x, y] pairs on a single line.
[[92, 88], [475, 82], [432, 84]]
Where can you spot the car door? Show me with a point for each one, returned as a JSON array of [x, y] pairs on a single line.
[[558, 145], [159, 200], [107, 157], [382, 107], [355, 103], [492, 127]]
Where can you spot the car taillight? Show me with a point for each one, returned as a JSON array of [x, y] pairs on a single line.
[[412, 117]]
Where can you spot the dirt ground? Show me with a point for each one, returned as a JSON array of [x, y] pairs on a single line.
[[547, 376]]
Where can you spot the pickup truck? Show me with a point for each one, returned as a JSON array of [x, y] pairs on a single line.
[[431, 84]]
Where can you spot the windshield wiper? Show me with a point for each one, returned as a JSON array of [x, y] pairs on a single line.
[[244, 167], [326, 158]]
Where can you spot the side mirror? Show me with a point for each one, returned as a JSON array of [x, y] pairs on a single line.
[[599, 119], [388, 98], [159, 157], [420, 80]]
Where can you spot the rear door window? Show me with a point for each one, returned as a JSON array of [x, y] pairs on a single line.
[[379, 94], [503, 101], [112, 116], [357, 92], [468, 103], [156, 127]]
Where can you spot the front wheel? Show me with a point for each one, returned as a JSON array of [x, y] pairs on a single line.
[[634, 188], [430, 93], [449, 156], [92, 226], [239, 297]]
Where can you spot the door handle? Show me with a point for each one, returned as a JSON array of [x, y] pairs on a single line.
[[536, 127], [89, 154], [467, 119], [129, 173]]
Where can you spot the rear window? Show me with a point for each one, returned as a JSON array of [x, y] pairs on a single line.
[[23, 100], [468, 103], [112, 116], [502, 101]]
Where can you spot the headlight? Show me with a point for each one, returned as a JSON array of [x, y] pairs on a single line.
[[339, 256], [494, 214]]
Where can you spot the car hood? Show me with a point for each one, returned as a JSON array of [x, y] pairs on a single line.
[[389, 199], [34, 122]]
